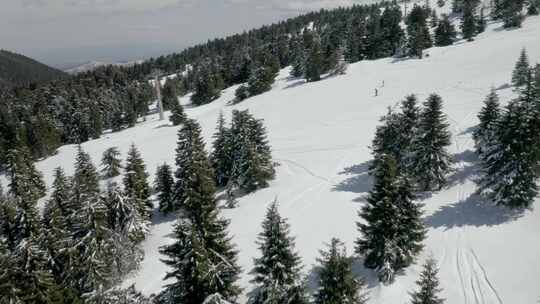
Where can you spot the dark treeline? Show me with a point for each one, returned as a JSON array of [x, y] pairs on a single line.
[[17, 70]]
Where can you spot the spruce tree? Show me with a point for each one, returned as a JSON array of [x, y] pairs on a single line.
[[111, 163], [418, 32], [203, 259], [469, 19], [314, 60], [485, 135], [261, 80], [169, 94], [445, 33], [337, 283], [177, 113], [135, 182], [431, 162], [85, 181], [392, 230], [521, 70], [277, 271], [509, 165], [298, 57], [511, 12], [410, 114], [221, 152], [164, 186], [428, 286]]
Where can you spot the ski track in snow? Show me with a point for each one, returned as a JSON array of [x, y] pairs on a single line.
[[474, 281]]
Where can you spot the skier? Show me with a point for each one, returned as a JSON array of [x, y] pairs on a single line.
[[376, 92]]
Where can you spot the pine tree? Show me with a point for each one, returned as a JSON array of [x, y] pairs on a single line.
[[521, 70], [26, 187], [337, 283], [135, 182], [511, 12], [418, 32], [445, 33], [202, 258], [428, 285], [392, 231], [509, 165], [430, 160], [111, 163], [164, 185], [469, 19], [410, 115], [261, 80], [251, 158], [485, 135], [341, 65], [314, 60], [85, 182], [221, 153], [298, 56], [169, 94], [177, 114], [277, 271]]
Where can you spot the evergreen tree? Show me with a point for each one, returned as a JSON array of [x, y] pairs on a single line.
[[521, 70], [428, 285], [261, 80], [314, 60], [481, 22], [533, 9], [410, 115], [393, 230], [85, 182], [340, 68], [337, 283], [485, 135], [177, 113], [203, 260], [135, 182], [430, 160], [221, 153], [277, 271], [169, 94], [164, 185], [418, 32], [509, 165], [469, 20], [251, 158], [111, 163], [511, 12], [298, 57]]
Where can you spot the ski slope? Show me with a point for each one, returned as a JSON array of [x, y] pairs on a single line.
[[320, 134]]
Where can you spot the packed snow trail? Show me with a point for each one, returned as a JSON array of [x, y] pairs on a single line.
[[320, 134]]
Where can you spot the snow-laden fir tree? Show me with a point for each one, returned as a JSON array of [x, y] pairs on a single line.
[[136, 182], [337, 283], [340, 68], [469, 19], [252, 166], [177, 113], [127, 229], [521, 70], [85, 181], [202, 258], [409, 117], [485, 135], [509, 165], [428, 285], [169, 94], [298, 56], [430, 159], [387, 140], [26, 186], [221, 157], [418, 32], [314, 60], [111, 163], [164, 186], [445, 33], [536, 81], [277, 270], [512, 12], [261, 79], [392, 230]]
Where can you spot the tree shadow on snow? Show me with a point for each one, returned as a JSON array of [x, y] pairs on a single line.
[[472, 211], [359, 181], [468, 171]]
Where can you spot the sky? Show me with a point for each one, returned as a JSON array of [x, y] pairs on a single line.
[[67, 32]]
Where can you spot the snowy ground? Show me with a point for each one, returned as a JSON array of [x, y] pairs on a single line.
[[320, 133]]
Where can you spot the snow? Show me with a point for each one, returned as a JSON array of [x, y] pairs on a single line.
[[320, 134]]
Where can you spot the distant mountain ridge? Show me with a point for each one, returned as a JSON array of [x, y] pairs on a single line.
[[19, 70], [92, 65]]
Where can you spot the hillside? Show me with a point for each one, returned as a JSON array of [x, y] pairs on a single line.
[[320, 134], [19, 70]]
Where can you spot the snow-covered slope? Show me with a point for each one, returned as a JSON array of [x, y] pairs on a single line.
[[320, 133]]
